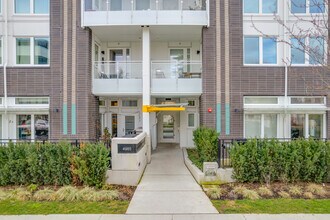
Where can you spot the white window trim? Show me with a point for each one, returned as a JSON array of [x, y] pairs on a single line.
[[262, 124], [33, 138], [307, 39], [261, 52], [306, 126], [31, 10], [31, 52], [308, 13], [260, 9]]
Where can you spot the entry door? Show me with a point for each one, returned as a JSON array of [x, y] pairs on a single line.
[[126, 125], [168, 127]]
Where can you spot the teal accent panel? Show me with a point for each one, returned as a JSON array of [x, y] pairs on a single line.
[[218, 115], [65, 119], [227, 119], [73, 120]]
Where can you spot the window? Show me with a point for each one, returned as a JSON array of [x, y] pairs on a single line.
[[308, 100], [0, 6], [114, 104], [0, 48], [260, 50], [37, 130], [298, 51], [260, 100], [316, 53], [261, 125], [32, 51], [297, 125], [257, 6], [32, 6], [191, 120], [129, 103], [32, 101], [313, 125], [191, 103], [23, 127], [102, 103], [143, 5], [41, 127], [298, 6], [303, 6]]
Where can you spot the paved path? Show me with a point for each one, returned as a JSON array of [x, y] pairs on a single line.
[[167, 187], [168, 217]]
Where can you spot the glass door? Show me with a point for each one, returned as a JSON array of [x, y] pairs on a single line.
[[168, 127], [118, 64], [176, 58], [129, 125]]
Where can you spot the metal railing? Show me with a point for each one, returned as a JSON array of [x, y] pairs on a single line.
[[176, 69], [224, 145], [117, 70], [140, 5]]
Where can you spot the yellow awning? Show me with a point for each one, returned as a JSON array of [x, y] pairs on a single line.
[[165, 108]]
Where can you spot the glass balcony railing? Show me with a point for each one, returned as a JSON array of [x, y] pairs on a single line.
[[176, 77], [136, 5], [118, 70]]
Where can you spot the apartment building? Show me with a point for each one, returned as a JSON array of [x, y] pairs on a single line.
[[72, 68]]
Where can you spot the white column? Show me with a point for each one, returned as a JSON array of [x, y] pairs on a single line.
[[146, 85]]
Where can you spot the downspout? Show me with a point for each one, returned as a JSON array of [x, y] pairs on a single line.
[[5, 56], [285, 18]]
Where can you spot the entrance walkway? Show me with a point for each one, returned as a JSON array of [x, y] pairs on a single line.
[[167, 187]]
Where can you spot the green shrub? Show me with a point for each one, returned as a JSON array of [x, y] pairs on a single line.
[[205, 140], [91, 164], [267, 161], [51, 164]]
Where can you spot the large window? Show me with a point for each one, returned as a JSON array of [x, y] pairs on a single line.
[[32, 6], [260, 6], [32, 127], [307, 125], [311, 6], [32, 51], [260, 50], [0, 127], [261, 125], [308, 50]]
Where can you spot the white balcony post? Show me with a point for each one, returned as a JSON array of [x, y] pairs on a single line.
[[146, 84]]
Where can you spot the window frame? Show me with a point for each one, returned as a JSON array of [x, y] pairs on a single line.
[[260, 11], [194, 114], [32, 51], [306, 123], [31, 10], [32, 125], [307, 9], [262, 124], [307, 56], [261, 51]]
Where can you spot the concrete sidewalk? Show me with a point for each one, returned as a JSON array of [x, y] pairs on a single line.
[[167, 187], [169, 217]]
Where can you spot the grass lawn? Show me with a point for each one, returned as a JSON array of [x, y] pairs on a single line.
[[273, 206], [9, 207]]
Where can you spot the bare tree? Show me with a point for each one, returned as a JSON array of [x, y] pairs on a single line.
[[307, 37]]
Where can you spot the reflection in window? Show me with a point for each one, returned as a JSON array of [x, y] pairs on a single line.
[[41, 51], [191, 120], [270, 125], [298, 6], [297, 51], [316, 6], [22, 6], [316, 46], [41, 127], [269, 6], [251, 6], [23, 51], [297, 125], [251, 50], [41, 7], [315, 128], [269, 51], [252, 126], [23, 127], [143, 5]]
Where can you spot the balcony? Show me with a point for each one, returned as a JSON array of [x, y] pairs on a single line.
[[181, 77], [145, 12], [117, 78]]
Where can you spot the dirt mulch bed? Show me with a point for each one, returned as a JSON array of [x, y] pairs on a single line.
[[236, 191]]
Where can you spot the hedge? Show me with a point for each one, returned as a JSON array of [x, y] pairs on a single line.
[[53, 164], [205, 140], [267, 161]]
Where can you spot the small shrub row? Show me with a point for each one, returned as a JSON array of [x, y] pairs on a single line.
[[205, 140], [310, 191], [66, 193], [53, 164], [271, 160]]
